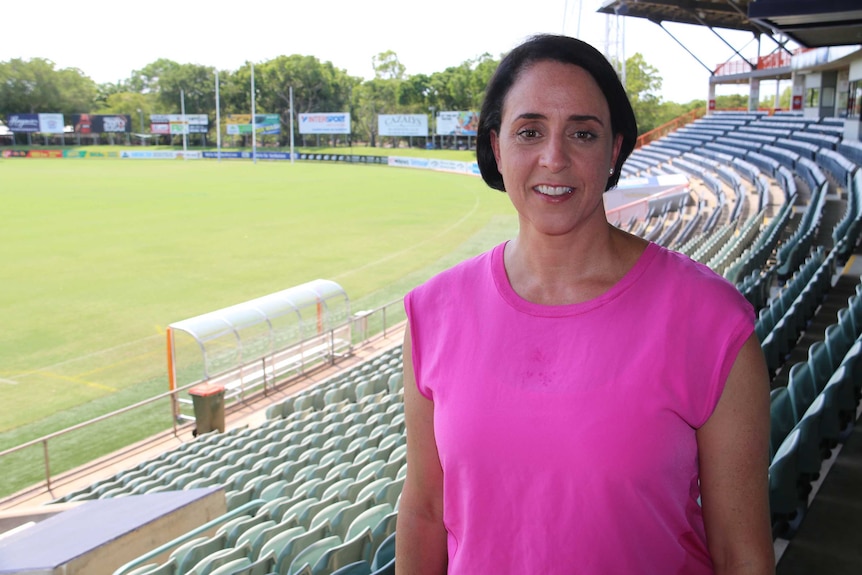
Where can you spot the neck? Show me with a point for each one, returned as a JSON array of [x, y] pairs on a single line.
[[560, 270]]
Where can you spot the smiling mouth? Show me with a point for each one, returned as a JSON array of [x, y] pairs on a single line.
[[554, 190]]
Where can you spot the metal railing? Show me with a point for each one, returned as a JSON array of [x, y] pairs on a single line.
[[367, 326]]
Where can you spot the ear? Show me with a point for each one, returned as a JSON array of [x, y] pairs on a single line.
[[618, 144], [495, 147]]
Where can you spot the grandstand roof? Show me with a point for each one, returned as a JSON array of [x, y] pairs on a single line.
[[810, 24]]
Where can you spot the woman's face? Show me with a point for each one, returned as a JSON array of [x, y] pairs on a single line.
[[555, 148]]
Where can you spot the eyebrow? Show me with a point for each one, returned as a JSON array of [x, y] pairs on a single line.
[[572, 118]]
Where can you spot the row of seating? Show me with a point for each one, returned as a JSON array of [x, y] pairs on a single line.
[[812, 415], [781, 324], [316, 486]]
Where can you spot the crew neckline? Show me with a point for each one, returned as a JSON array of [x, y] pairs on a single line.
[[511, 297]]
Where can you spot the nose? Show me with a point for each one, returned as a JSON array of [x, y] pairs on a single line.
[[554, 155]]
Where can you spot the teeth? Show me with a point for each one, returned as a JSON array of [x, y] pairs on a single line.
[[554, 190]]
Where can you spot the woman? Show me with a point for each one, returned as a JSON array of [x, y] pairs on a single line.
[[574, 395]]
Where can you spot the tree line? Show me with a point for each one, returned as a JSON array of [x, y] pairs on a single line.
[[37, 86]]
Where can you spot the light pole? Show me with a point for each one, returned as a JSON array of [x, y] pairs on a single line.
[[143, 140], [433, 142]]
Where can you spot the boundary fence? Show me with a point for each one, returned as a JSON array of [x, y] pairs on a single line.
[[367, 326]]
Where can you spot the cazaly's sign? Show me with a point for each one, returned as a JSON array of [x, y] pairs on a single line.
[[402, 125]]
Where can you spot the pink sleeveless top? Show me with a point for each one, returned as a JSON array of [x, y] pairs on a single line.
[[567, 433]]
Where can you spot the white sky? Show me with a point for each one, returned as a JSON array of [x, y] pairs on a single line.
[[109, 39]]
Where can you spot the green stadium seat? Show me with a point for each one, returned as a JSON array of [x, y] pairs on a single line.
[[311, 554], [251, 536], [231, 567], [167, 568], [346, 553], [341, 521], [273, 540], [801, 387], [291, 548], [784, 493], [323, 516], [369, 518], [217, 559], [263, 566], [384, 556], [357, 568]]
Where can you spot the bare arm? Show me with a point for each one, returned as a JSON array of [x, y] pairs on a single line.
[[420, 540], [733, 447]]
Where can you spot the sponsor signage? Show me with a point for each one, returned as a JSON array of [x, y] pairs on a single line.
[[51, 123], [179, 124], [457, 123], [437, 165], [198, 119], [159, 155], [324, 123], [22, 123], [44, 123], [402, 125], [265, 124], [101, 123]]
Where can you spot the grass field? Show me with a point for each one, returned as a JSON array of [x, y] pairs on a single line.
[[99, 256]]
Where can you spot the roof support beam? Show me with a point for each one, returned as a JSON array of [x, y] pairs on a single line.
[[684, 47]]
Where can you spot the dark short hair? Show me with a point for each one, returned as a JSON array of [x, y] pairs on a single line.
[[567, 50]]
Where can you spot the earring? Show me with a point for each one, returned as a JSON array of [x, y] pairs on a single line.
[[611, 172]]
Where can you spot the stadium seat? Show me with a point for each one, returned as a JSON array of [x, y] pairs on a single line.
[[384, 556], [275, 539], [310, 554], [193, 552], [358, 568], [837, 343], [781, 418], [356, 549], [800, 385], [323, 516], [231, 567], [252, 536], [369, 518], [167, 568], [784, 494], [341, 521], [263, 566], [219, 558], [811, 451]]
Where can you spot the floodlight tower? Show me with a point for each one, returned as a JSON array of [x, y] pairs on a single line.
[[615, 44]]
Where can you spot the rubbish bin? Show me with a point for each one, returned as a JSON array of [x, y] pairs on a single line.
[[208, 402]]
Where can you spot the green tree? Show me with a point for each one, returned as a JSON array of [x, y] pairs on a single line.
[[34, 86], [642, 86], [317, 87], [387, 66]]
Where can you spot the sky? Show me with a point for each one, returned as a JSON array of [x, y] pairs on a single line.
[[107, 40]]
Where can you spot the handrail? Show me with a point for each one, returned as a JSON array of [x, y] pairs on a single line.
[[668, 127], [367, 337]]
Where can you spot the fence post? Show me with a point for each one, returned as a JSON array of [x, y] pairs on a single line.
[[47, 464]]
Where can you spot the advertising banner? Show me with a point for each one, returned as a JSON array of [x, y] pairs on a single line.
[[402, 125], [51, 123], [199, 119], [324, 123], [266, 124], [457, 123], [179, 124], [101, 123], [22, 123]]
